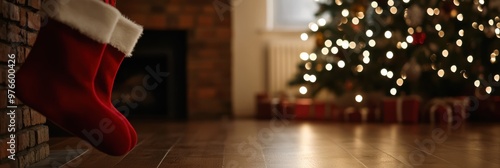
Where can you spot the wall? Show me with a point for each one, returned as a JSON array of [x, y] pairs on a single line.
[[209, 47], [19, 23], [250, 35], [249, 21]]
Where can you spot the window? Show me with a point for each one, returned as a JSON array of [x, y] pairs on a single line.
[[291, 14]]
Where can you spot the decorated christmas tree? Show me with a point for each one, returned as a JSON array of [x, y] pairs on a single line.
[[433, 48]]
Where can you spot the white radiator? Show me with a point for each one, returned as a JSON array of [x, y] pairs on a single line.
[[282, 60]]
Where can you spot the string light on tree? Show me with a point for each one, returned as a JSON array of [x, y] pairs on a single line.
[[358, 98], [394, 91], [304, 56], [438, 40], [303, 90], [304, 36]]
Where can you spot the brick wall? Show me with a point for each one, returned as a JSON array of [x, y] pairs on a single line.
[[19, 24], [209, 47]]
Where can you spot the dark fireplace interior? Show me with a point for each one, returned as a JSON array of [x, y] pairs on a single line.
[[153, 81]]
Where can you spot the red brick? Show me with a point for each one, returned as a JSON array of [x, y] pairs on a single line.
[[226, 22], [209, 9], [205, 21], [41, 152], [4, 52], [21, 59], [21, 56], [176, 2], [27, 159], [26, 117], [190, 9], [173, 9], [20, 53], [9, 11], [3, 75], [42, 119], [141, 19], [3, 30], [204, 34], [4, 119], [13, 12], [157, 21], [23, 140], [33, 21], [129, 8], [36, 118], [3, 102], [14, 33], [186, 21], [42, 134], [206, 93], [31, 38], [9, 164], [23, 16], [3, 145], [34, 3], [209, 53], [32, 137]]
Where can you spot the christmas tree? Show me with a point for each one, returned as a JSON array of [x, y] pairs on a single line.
[[432, 48]]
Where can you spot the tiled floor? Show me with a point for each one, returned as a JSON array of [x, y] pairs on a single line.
[[286, 144]]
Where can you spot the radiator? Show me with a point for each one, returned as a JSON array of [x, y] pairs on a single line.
[[282, 60]]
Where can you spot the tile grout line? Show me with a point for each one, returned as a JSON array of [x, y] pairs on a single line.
[[359, 161], [168, 151]]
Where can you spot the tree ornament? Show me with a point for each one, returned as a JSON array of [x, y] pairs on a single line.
[[418, 38], [320, 39], [415, 16], [358, 6], [411, 70], [349, 85], [448, 7]]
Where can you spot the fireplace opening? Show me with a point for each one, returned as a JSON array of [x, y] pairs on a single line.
[[153, 81]]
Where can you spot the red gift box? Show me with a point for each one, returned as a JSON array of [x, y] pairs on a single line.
[[496, 108], [459, 106], [268, 108], [446, 110], [401, 109], [364, 114], [441, 111], [352, 114], [309, 109], [486, 109], [335, 113]]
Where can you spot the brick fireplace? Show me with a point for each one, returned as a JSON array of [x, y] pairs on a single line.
[[19, 24], [208, 48]]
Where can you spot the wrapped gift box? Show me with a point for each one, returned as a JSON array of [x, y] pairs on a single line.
[[309, 109], [485, 109], [401, 109], [353, 114], [446, 110], [268, 108], [363, 114], [441, 111], [460, 106], [496, 108], [335, 113]]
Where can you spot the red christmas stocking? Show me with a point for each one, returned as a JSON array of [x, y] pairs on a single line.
[[123, 40], [111, 2], [57, 78], [110, 64]]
